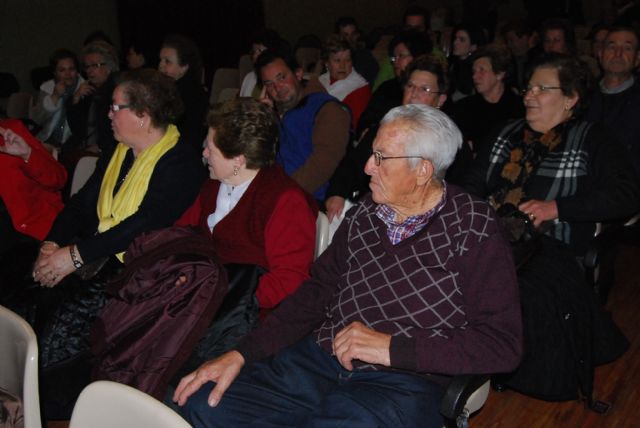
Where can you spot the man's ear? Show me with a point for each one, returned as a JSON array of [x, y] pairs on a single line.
[[442, 98], [299, 73], [424, 172]]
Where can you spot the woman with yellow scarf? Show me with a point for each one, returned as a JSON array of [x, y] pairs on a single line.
[[145, 184]]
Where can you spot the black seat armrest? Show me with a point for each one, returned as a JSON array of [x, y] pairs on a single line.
[[458, 392]]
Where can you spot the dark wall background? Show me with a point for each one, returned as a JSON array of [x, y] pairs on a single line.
[[30, 30], [222, 29]]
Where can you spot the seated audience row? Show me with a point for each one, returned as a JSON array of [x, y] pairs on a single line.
[[272, 162]]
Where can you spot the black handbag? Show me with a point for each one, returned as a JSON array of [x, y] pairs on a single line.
[[237, 316], [519, 231]]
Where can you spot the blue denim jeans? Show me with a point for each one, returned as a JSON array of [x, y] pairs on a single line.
[[303, 386]]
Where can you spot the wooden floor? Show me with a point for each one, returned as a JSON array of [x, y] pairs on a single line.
[[617, 383]]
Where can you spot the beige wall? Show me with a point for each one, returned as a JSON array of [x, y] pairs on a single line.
[[30, 30]]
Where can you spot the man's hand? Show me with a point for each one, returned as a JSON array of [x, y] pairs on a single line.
[[264, 97], [335, 205], [540, 211], [358, 342], [223, 370]]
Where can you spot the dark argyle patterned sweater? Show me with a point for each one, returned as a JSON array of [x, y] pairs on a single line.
[[447, 295]]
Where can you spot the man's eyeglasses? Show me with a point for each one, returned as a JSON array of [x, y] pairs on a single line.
[[117, 107], [538, 89], [379, 157], [396, 58], [94, 66], [280, 77], [425, 90]]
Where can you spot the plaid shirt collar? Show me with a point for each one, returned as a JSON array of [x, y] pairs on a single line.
[[398, 232]]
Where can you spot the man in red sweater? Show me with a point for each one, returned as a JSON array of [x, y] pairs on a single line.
[[417, 285]]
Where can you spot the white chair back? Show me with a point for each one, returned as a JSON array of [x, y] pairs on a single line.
[[106, 404], [223, 78], [245, 65], [84, 168], [19, 364], [228, 94], [322, 234]]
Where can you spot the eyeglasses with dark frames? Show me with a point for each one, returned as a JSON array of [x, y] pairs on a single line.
[[280, 77], [379, 157], [94, 66], [538, 89]]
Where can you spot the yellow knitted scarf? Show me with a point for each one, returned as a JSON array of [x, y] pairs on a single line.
[[113, 209]]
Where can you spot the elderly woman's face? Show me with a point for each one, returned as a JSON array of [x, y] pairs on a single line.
[[546, 105], [340, 65], [125, 123], [220, 168], [169, 64], [422, 88], [97, 69]]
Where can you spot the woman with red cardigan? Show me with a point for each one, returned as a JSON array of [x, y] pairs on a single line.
[[260, 222], [31, 181], [253, 212]]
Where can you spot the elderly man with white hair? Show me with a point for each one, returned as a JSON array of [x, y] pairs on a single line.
[[417, 285]]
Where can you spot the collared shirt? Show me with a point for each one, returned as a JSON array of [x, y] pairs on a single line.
[[228, 197], [397, 232]]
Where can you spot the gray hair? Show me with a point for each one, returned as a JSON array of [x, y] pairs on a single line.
[[108, 52], [433, 135]]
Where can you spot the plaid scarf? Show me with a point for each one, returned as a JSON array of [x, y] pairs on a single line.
[[524, 158], [555, 160]]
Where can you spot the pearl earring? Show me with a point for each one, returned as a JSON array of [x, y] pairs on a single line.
[[235, 170]]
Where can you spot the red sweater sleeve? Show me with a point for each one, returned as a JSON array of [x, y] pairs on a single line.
[[41, 166], [357, 102], [289, 243]]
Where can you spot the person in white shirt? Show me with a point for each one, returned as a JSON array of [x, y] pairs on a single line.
[[49, 111]]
